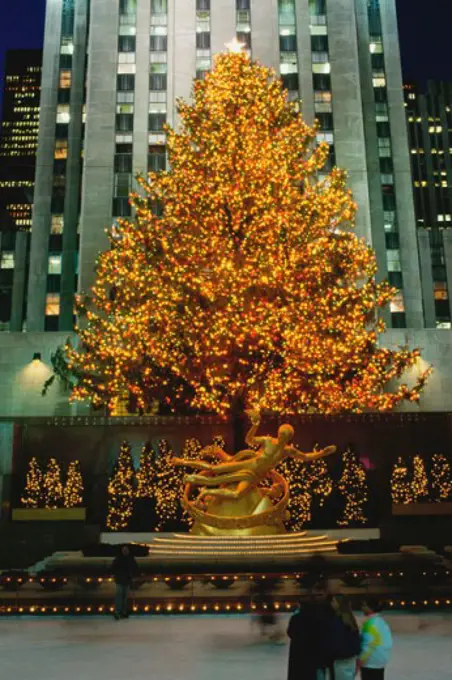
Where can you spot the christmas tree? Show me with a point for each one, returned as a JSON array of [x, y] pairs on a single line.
[[321, 481], [73, 489], [120, 491], [300, 499], [401, 491], [441, 478], [167, 490], [52, 485], [33, 496], [240, 281], [353, 487], [419, 484], [146, 473]]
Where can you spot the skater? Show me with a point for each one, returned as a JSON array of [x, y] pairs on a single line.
[[266, 617], [376, 642], [311, 651], [346, 642], [124, 570]]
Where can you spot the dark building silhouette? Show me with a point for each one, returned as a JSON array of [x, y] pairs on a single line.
[[429, 116], [18, 146]]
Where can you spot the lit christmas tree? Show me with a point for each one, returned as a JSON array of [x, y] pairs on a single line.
[[402, 493], [73, 489], [353, 487], [120, 491], [146, 473], [33, 496], [52, 485], [240, 282], [441, 478], [419, 484], [321, 481], [300, 499], [167, 490]]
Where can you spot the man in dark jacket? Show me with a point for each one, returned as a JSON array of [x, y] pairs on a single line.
[[124, 569], [309, 630]]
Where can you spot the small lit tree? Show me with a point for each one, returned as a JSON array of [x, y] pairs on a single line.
[[401, 490], [167, 487], [300, 499], [52, 485], [419, 482], [73, 489], [146, 472], [353, 487], [33, 496], [120, 491], [441, 478], [321, 481]]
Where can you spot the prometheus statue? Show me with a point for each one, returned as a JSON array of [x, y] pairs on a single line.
[[231, 499]]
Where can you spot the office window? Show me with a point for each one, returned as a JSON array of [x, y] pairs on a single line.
[[63, 116], [52, 304], [65, 79], [54, 264], [61, 148], [56, 225], [7, 260], [125, 82]]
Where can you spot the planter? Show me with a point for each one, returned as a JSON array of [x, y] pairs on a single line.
[[422, 510], [49, 515]]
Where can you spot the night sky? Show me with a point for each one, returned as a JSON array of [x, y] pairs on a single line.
[[425, 33]]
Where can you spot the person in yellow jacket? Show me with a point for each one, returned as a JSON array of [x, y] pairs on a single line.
[[376, 642]]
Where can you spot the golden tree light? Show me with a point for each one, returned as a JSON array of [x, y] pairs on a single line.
[[73, 489], [441, 478], [121, 491], [401, 490], [354, 489], [33, 496], [52, 485], [419, 484], [240, 282]]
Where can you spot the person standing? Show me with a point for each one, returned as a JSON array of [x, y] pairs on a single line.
[[124, 570], [346, 640], [310, 654], [376, 642]]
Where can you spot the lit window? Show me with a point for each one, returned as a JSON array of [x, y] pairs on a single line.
[[67, 46], [61, 148], [7, 260], [397, 304], [54, 264], [52, 304], [441, 290], [65, 79], [379, 82], [56, 226], [321, 68], [126, 68], [393, 257], [63, 115]]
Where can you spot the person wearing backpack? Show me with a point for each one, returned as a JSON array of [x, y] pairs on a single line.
[[345, 639]]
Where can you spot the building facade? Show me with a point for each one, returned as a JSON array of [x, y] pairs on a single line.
[[112, 72], [18, 145], [429, 115]]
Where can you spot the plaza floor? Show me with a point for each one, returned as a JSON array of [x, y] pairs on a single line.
[[191, 648]]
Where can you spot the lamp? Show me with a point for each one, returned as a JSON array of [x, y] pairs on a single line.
[[37, 356]]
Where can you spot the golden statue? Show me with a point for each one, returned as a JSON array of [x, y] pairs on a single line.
[[236, 496]]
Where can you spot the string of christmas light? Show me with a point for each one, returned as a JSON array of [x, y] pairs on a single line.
[[52, 485], [73, 489], [441, 478], [401, 490], [249, 286], [419, 483], [353, 487], [121, 491], [33, 495]]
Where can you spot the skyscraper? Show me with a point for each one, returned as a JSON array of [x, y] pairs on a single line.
[[18, 144], [429, 115], [112, 72]]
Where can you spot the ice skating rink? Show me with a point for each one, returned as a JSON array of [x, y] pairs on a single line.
[[191, 648]]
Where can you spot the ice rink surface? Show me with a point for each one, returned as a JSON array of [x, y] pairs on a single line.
[[191, 648]]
